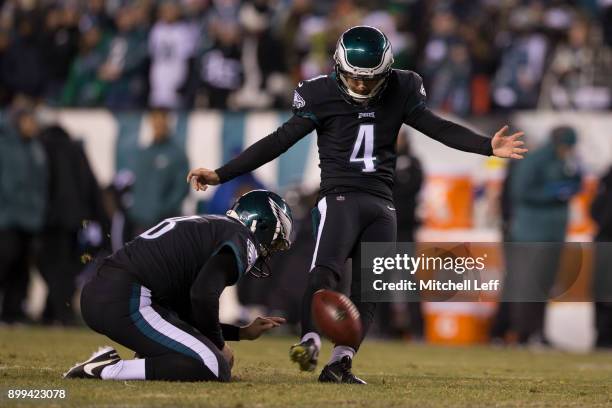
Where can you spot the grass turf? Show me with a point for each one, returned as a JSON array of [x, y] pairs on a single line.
[[399, 375]]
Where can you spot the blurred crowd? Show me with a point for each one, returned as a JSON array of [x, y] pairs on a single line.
[[476, 56]]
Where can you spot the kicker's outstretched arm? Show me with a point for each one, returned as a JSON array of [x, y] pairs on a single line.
[[258, 154]]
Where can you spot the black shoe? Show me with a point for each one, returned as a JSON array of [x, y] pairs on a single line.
[[306, 354], [340, 372], [92, 368]]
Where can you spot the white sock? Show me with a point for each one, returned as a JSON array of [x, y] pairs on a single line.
[[314, 337], [340, 351], [125, 370]]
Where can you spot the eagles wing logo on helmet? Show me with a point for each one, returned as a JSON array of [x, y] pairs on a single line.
[[283, 222], [298, 101], [423, 90], [251, 254]]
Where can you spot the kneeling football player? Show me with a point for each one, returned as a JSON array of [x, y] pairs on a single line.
[[159, 295]]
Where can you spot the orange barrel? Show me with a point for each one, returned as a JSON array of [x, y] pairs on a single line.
[[457, 323], [448, 201]]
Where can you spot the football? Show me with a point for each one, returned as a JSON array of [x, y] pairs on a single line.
[[336, 317]]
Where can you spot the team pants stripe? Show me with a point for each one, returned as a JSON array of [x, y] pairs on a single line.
[[153, 325], [322, 206]]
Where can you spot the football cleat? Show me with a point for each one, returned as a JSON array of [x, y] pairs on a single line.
[[340, 372], [306, 354], [93, 367]]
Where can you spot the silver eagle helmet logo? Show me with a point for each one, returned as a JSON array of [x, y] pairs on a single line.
[[283, 223]]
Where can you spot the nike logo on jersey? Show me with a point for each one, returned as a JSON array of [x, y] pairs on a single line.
[[366, 115], [390, 208], [91, 366]]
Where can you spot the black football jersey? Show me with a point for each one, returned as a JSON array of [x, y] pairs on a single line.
[[357, 143], [168, 257]]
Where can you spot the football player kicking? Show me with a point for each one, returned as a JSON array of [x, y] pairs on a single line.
[[357, 111], [159, 295]]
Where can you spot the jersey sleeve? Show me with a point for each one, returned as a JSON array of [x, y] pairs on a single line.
[[427, 122], [219, 272], [267, 149], [412, 87], [305, 101]]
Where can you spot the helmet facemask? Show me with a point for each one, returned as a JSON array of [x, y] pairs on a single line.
[[355, 96]]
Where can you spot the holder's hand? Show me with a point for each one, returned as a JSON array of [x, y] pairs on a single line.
[[259, 326]]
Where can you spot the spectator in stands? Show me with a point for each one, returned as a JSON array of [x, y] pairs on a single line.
[[124, 68], [402, 42], [22, 209], [23, 67], [447, 66], [542, 186], [74, 202], [475, 52], [601, 210], [221, 67], [5, 93], [516, 84], [265, 82], [59, 45], [171, 45], [84, 87], [159, 186], [95, 11], [292, 30], [579, 75], [197, 15], [605, 14]]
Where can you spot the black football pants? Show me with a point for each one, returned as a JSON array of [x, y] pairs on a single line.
[[345, 220], [115, 305]]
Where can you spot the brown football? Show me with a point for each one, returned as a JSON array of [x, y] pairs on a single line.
[[336, 317]]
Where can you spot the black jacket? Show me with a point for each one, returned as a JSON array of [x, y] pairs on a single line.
[[73, 193]]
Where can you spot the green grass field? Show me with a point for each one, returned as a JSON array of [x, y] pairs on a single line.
[[399, 375]]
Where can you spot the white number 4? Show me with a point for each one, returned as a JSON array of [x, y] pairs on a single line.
[[365, 137]]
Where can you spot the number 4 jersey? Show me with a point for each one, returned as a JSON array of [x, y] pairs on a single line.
[[168, 257], [356, 142]]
